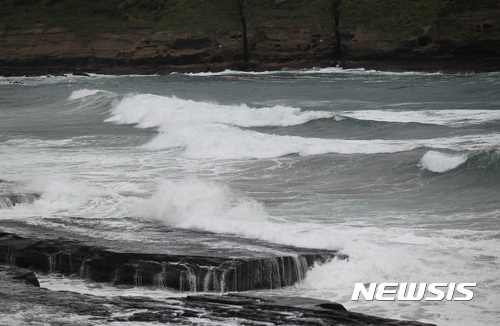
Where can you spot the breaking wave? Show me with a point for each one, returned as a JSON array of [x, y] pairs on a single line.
[[81, 93], [168, 112], [211, 130], [197, 204], [451, 118], [442, 162], [214, 207], [311, 71]]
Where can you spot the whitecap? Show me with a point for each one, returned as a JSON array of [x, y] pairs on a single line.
[[452, 118], [216, 131], [148, 110], [210, 130], [312, 71], [442, 162], [82, 93], [215, 207]]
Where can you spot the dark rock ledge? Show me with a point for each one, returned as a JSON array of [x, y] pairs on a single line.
[[186, 266], [159, 256], [56, 307]]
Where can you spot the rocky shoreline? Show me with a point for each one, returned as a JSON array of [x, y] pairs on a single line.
[[188, 266], [452, 65], [19, 292], [219, 267]]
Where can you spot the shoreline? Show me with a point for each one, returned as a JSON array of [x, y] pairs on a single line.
[[20, 289], [22, 257], [448, 66]]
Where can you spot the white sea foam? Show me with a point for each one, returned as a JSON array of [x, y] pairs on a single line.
[[376, 255], [57, 283], [193, 203], [81, 93], [311, 71], [168, 112], [477, 142], [452, 118], [208, 130], [58, 194], [398, 255], [442, 162], [223, 142], [209, 206]]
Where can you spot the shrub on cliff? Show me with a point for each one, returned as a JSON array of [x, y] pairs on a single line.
[[397, 19]]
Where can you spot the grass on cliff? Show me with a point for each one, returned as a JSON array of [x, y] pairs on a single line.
[[88, 19], [397, 19], [289, 12], [85, 18]]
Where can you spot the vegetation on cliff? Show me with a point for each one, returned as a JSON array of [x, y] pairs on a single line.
[[397, 18], [88, 19]]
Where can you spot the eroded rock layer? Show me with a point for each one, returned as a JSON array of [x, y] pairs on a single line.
[[186, 266]]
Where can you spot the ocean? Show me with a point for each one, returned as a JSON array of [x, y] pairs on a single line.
[[401, 171]]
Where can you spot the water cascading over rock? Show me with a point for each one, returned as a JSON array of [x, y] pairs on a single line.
[[181, 272]]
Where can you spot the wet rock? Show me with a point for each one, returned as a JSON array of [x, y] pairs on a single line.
[[22, 275], [288, 310], [28, 278], [9, 197], [9, 200], [188, 265], [204, 309]]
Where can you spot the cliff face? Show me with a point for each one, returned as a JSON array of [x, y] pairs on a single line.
[[259, 34], [58, 49], [469, 38]]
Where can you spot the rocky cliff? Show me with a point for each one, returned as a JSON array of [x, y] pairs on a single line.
[[158, 36], [459, 35]]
